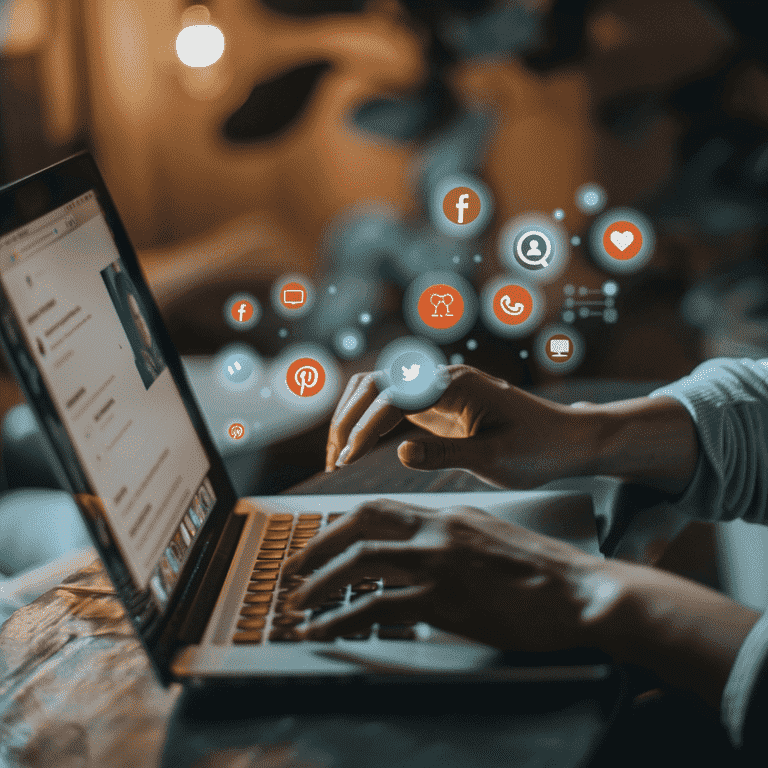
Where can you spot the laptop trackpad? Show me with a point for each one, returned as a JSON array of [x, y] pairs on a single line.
[[404, 657]]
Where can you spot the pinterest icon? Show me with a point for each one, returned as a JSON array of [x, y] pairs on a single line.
[[305, 377]]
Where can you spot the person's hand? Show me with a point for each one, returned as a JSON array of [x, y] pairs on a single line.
[[482, 424], [458, 569]]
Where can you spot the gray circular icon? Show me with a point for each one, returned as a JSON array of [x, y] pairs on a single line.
[[412, 372], [533, 250], [238, 368]]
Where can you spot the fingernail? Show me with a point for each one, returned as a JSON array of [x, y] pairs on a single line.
[[413, 453], [343, 455]]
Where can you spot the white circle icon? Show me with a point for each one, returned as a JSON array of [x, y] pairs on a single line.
[[528, 249]]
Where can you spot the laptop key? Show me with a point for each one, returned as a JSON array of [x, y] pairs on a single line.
[[247, 636], [257, 586], [277, 535], [310, 516], [254, 610], [280, 518], [273, 545], [269, 556], [258, 597], [251, 623], [261, 575]]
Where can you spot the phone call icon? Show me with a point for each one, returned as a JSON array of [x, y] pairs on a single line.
[[512, 304], [511, 309]]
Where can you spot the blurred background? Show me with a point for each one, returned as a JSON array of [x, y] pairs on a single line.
[[314, 143]]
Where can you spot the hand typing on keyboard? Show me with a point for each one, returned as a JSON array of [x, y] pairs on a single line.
[[458, 569]]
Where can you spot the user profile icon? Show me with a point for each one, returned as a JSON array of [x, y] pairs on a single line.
[[534, 246], [533, 250]]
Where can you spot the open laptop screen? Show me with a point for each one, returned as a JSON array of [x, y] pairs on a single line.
[[84, 323]]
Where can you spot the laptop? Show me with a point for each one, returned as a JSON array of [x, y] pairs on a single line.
[[197, 569]]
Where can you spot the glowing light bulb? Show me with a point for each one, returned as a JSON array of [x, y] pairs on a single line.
[[200, 45]]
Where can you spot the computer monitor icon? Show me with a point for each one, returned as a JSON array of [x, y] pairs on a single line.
[[559, 347], [293, 296]]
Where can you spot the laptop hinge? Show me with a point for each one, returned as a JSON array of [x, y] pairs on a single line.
[[208, 588]]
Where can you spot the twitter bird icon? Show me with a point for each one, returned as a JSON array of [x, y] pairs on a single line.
[[409, 374]]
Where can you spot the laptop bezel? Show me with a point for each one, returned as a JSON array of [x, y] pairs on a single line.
[[21, 203]]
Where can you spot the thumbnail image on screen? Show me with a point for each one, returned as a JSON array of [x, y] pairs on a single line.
[[146, 352]]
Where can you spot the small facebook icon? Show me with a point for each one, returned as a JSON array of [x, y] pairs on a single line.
[[242, 312]]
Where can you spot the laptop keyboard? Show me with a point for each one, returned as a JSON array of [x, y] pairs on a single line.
[[263, 617]]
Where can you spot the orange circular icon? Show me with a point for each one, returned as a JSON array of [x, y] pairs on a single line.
[[236, 431], [305, 377], [242, 311], [461, 205], [512, 304], [293, 295], [440, 306], [622, 240]]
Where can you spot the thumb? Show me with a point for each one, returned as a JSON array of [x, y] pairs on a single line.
[[434, 453]]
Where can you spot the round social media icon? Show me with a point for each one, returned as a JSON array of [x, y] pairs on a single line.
[[238, 368], [242, 311], [462, 205], [512, 304], [412, 372], [236, 430], [440, 306], [293, 295], [559, 348], [305, 377], [622, 240], [533, 249]]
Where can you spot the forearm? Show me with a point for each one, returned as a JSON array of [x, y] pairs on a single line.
[[687, 634], [647, 440]]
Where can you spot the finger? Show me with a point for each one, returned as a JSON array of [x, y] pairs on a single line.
[[398, 607], [383, 519], [364, 390], [332, 448], [380, 417], [396, 562]]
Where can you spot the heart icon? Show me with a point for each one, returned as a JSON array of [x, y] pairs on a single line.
[[622, 240]]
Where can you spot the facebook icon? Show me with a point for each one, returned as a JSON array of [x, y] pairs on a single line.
[[242, 312]]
